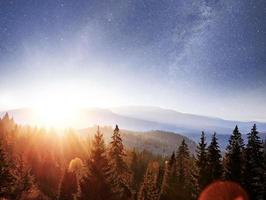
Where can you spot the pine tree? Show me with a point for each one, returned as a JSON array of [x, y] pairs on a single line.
[[169, 184], [7, 123], [23, 178], [254, 170], [6, 176], [234, 157], [49, 177], [184, 175], [214, 167], [201, 162], [119, 171], [149, 188], [264, 156], [135, 172], [96, 184], [68, 186], [193, 179]]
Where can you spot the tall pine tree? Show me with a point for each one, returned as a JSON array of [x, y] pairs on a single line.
[[169, 184], [68, 186], [7, 178], [264, 176], [234, 160], [136, 175], [23, 178], [119, 171], [254, 170], [149, 188], [264, 157], [184, 173], [214, 166], [201, 162], [96, 184]]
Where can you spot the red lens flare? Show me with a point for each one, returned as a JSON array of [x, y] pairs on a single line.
[[223, 190]]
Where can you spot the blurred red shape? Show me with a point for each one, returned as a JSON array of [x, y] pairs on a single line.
[[223, 190]]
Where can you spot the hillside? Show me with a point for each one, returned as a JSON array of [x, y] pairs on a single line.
[[157, 142]]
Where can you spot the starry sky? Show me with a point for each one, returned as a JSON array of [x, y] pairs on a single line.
[[204, 57]]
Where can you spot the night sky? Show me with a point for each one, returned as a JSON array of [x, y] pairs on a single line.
[[204, 57]]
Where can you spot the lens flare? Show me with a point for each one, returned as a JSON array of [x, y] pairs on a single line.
[[223, 190]]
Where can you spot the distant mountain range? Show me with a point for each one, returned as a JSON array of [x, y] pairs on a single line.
[[140, 118], [185, 123]]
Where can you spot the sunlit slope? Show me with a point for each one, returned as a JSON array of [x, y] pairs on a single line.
[[157, 142]]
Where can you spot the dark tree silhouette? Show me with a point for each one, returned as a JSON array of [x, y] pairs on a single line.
[[134, 167], [169, 183], [149, 188], [214, 167], [49, 176], [254, 169], [6, 176], [68, 186], [96, 184], [23, 178], [264, 181], [184, 173], [202, 162], [234, 160], [119, 171]]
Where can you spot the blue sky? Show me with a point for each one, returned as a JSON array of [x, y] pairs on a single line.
[[197, 56]]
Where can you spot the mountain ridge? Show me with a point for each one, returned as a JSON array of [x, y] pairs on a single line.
[[144, 118]]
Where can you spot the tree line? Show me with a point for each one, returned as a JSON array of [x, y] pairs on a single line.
[[40, 164]]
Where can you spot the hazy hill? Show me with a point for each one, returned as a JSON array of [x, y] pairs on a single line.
[[157, 142]]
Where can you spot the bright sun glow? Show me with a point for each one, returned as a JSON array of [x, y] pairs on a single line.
[[64, 105], [51, 114], [56, 109], [55, 115]]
